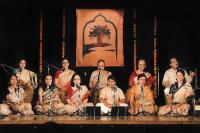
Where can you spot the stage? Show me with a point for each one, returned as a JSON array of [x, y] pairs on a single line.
[[100, 120], [99, 124]]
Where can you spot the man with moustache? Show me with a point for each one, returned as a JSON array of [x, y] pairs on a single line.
[[170, 76], [98, 80]]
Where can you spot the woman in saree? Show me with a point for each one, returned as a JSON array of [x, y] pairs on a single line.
[[141, 98], [77, 96], [133, 79], [63, 79], [48, 99], [178, 96], [27, 79], [15, 100]]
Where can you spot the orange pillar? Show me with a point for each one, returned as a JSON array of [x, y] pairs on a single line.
[[134, 41], [41, 37], [155, 54], [63, 34]]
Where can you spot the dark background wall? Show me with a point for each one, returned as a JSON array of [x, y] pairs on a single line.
[[178, 34]]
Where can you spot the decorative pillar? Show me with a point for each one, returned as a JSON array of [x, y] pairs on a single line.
[[134, 41], [63, 34], [41, 37], [155, 55]]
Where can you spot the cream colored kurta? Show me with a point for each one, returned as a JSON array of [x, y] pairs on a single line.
[[103, 78], [112, 96]]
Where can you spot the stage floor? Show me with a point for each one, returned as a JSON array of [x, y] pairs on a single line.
[[100, 120]]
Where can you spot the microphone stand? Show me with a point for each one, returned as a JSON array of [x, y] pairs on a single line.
[[9, 66], [158, 82], [96, 90], [49, 66], [114, 98], [171, 102], [50, 112], [48, 69], [196, 80], [79, 98], [17, 92], [4, 65], [142, 89]]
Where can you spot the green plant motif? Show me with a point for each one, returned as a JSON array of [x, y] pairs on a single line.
[[99, 32]]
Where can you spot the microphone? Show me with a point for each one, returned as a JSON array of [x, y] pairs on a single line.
[[17, 91], [78, 87], [85, 74], [99, 68], [19, 70], [62, 69], [142, 88], [51, 87], [114, 97], [173, 88]]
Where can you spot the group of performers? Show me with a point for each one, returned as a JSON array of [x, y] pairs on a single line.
[[65, 94]]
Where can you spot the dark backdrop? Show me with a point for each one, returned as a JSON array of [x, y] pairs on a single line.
[[178, 34]]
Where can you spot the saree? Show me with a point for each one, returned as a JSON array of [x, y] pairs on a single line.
[[142, 101], [64, 79], [133, 79], [28, 80], [51, 102], [179, 102], [77, 97], [15, 104]]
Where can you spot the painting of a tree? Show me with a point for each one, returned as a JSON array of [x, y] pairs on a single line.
[[99, 32]]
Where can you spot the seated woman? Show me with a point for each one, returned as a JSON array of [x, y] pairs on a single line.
[[179, 92], [77, 96], [111, 96], [141, 98], [48, 99], [133, 79], [14, 103]]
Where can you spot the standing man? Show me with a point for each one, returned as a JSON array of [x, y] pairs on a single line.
[[98, 80], [170, 76]]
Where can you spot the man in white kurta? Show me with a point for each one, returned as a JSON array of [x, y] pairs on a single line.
[[111, 96], [170, 75], [98, 80]]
